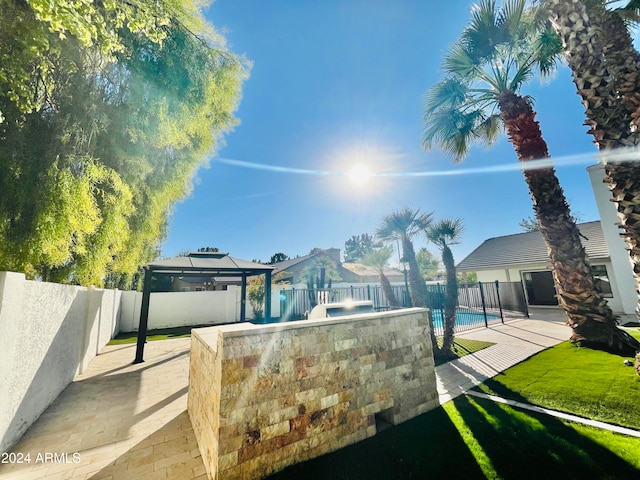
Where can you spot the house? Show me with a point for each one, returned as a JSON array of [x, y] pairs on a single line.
[[294, 269], [523, 258]]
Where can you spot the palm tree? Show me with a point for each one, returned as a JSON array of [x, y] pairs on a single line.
[[378, 258], [606, 70], [485, 70], [403, 225], [443, 234]]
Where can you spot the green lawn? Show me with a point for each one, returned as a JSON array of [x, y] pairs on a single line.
[[472, 438], [589, 383], [160, 334]]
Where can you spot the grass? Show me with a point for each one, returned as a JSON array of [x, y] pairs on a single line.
[[159, 334], [474, 438], [461, 347], [589, 383]]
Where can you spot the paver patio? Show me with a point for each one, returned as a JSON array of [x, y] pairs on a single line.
[[130, 421]]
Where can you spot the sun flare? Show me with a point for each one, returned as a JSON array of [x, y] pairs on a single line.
[[359, 175]]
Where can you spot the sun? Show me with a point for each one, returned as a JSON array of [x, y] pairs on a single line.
[[359, 175]]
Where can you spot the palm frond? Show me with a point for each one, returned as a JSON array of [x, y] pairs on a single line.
[[403, 223], [449, 93], [445, 232], [457, 61]]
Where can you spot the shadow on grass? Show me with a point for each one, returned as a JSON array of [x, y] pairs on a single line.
[[471, 438], [524, 445], [428, 446]]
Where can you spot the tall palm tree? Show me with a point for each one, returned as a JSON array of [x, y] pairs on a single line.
[[443, 234], [606, 70], [403, 225], [497, 53], [378, 258]]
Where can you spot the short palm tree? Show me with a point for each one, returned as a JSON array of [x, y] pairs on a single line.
[[403, 225], [443, 234], [485, 70], [606, 70], [378, 258]]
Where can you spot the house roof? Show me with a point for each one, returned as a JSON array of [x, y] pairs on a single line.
[[364, 270], [282, 266], [209, 263], [524, 248]]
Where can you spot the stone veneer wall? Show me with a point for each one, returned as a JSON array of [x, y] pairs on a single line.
[[262, 397]]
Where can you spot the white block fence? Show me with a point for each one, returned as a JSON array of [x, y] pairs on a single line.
[[50, 332]]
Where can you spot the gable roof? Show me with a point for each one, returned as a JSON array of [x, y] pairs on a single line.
[[280, 266], [365, 271], [529, 247]]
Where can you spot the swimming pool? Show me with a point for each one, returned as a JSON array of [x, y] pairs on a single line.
[[464, 318]]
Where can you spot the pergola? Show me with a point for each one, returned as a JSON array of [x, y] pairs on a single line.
[[201, 264]]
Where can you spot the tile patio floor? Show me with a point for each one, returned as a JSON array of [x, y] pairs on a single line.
[[130, 421]]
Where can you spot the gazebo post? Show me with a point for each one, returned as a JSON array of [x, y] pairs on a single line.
[[267, 296], [243, 298], [144, 316]]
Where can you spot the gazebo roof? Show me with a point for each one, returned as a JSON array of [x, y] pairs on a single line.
[[201, 264], [209, 263]]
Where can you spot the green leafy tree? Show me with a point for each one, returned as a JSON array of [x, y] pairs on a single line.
[[468, 277], [358, 246], [256, 292], [443, 234], [529, 224], [497, 53], [378, 258], [277, 258], [427, 263], [108, 122]]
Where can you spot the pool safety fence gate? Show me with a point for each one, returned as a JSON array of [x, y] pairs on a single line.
[[479, 304]]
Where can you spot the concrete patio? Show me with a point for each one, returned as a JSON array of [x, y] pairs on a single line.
[[129, 421]]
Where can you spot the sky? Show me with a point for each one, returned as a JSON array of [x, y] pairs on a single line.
[[337, 84]]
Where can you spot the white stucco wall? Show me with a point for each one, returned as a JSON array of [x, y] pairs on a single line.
[[622, 270], [48, 334], [177, 309]]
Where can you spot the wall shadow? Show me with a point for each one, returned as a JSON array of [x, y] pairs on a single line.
[[413, 449], [172, 448]]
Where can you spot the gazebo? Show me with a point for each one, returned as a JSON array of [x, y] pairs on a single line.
[[201, 264]]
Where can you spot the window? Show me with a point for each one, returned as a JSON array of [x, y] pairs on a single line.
[[602, 280]]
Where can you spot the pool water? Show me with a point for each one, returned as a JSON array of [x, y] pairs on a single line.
[[464, 318]]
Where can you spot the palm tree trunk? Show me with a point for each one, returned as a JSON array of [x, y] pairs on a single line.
[[607, 117], [623, 62], [388, 291], [450, 302], [605, 68], [589, 316], [417, 286]]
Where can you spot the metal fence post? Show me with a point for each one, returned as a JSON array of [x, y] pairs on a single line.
[[499, 302], [484, 307]]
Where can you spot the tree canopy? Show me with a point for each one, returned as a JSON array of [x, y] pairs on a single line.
[[107, 110], [358, 246]]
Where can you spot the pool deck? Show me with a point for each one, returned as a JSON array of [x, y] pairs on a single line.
[[129, 421]]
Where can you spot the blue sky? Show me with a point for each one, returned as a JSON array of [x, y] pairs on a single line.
[[340, 83]]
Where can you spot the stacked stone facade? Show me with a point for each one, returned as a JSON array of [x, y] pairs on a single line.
[[262, 397]]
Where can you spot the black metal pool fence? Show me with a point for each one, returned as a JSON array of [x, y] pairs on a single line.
[[479, 304]]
